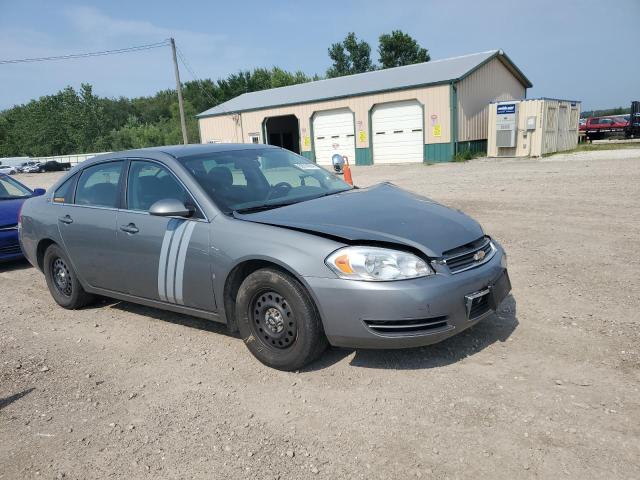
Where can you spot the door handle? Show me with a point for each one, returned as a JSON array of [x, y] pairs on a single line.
[[66, 219], [131, 228]]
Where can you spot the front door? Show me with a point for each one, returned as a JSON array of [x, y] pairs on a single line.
[[87, 225], [163, 258]]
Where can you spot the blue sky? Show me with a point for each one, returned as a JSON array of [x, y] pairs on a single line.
[[576, 49]]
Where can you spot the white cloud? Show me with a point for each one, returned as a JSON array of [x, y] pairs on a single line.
[[84, 29]]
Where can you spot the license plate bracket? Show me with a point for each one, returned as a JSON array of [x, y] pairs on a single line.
[[499, 290]]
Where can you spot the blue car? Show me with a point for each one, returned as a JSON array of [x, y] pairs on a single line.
[[12, 196]]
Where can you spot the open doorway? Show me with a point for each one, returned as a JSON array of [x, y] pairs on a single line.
[[283, 132]]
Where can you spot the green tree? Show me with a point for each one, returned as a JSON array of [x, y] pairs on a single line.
[[399, 48], [350, 56], [77, 121]]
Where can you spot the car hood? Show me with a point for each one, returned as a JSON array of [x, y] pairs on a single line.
[[381, 213], [9, 211]]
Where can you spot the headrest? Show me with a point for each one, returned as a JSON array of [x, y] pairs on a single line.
[[220, 177]]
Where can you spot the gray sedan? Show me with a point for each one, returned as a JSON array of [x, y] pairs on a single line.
[[267, 242]]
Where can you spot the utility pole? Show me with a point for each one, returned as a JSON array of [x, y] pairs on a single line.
[[179, 88]]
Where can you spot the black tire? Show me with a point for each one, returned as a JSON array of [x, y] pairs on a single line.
[[62, 280], [278, 321]]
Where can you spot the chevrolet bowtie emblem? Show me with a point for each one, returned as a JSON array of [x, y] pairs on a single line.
[[479, 255]]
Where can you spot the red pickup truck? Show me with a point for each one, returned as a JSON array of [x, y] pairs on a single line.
[[597, 128]]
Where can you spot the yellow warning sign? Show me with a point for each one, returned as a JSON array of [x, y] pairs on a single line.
[[362, 136], [437, 130], [307, 141]]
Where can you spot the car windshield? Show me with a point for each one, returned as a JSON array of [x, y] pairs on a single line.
[[258, 179], [10, 189]]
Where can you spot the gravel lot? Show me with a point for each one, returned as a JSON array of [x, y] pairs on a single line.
[[548, 388]]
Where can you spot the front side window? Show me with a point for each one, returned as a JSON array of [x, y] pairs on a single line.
[[242, 180], [10, 189], [149, 182], [98, 185]]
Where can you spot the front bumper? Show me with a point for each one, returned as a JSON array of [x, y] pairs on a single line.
[[406, 313], [9, 246]]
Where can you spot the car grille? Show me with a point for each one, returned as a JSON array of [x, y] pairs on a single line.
[[10, 250], [407, 327], [470, 255]]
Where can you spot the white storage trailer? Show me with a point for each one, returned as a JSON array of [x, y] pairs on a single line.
[[532, 128]]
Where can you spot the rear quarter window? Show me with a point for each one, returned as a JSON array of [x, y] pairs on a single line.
[[64, 193]]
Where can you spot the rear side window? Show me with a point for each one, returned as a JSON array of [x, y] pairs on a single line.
[[98, 185], [64, 193]]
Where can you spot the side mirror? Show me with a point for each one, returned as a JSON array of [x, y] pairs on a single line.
[[170, 207], [338, 163], [38, 192]]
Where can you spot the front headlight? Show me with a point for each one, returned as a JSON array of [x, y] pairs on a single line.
[[376, 264]]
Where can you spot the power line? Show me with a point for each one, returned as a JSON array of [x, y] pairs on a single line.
[[138, 48], [195, 77]]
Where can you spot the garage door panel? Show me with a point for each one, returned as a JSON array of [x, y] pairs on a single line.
[[397, 132], [333, 132]]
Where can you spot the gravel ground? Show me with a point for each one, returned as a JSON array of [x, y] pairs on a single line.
[[547, 388]]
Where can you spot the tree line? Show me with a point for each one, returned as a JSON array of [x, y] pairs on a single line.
[[78, 121]]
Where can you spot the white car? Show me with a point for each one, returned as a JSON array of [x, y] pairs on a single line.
[[8, 170], [32, 168]]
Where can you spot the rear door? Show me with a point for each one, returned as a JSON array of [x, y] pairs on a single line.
[[163, 258], [87, 224]]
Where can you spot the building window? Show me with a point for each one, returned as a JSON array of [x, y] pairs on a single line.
[[254, 138]]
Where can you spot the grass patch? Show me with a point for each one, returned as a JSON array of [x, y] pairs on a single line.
[[593, 147], [466, 155]]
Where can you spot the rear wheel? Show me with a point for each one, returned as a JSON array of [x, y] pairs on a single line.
[[62, 280], [278, 320]]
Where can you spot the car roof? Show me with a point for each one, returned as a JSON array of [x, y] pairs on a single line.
[[178, 151]]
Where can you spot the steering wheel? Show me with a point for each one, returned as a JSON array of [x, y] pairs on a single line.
[[283, 187]]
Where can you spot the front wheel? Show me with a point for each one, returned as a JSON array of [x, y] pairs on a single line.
[[278, 320], [62, 280]]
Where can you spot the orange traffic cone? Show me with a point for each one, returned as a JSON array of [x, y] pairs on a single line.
[[347, 171]]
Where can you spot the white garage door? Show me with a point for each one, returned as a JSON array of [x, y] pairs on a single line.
[[397, 132], [334, 132]]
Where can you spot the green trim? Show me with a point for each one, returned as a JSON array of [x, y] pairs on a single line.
[[370, 139], [476, 147], [309, 155], [453, 110], [438, 152], [363, 156], [312, 139]]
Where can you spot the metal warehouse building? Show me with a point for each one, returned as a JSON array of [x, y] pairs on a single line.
[[417, 113]]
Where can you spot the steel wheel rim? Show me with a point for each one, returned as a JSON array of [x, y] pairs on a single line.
[[273, 321], [62, 277]]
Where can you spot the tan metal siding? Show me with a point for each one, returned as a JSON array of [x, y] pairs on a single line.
[[225, 129], [491, 82], [435, 100]]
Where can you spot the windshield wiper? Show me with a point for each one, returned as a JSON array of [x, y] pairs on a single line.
[[269, 206], [262, 207]]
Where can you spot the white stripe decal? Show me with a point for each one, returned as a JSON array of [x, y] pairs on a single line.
[[162, 263], [171, 262], [182, 256]]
